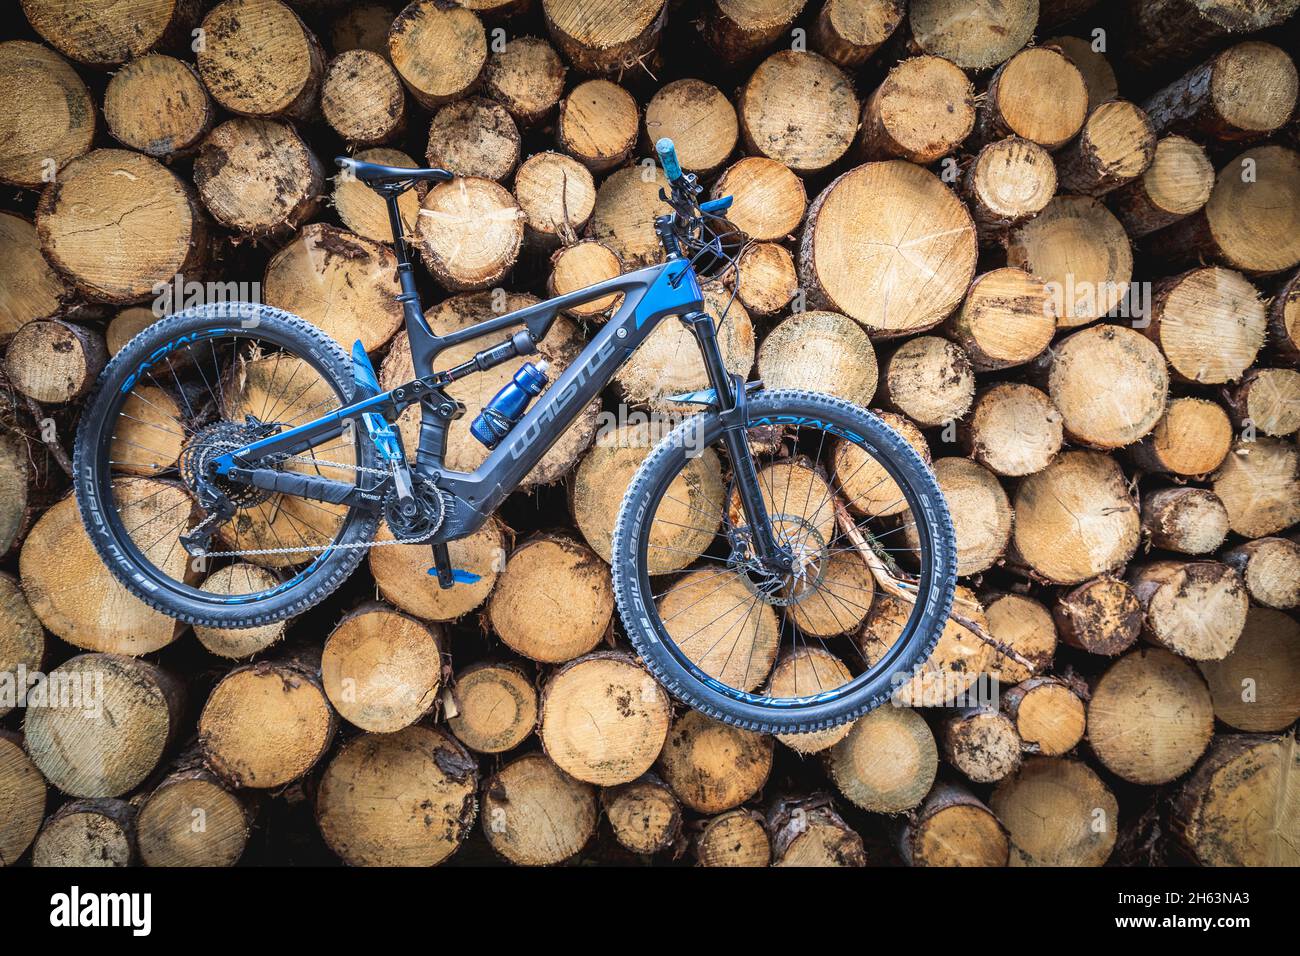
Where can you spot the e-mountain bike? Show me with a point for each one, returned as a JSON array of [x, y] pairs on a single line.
[[750, 544]]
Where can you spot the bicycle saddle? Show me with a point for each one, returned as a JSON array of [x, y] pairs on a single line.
[[392, 177]]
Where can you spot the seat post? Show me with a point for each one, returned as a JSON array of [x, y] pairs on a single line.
[[405, 272]]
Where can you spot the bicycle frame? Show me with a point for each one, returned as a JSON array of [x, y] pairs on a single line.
[[649, 296]]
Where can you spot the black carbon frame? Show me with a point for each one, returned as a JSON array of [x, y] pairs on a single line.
[[649, 296]]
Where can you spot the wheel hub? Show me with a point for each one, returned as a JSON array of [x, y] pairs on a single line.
[[800, 542]]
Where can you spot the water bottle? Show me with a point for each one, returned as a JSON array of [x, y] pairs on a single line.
[[501, 414]]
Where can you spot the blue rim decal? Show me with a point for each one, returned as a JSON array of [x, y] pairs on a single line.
[[158, 354]]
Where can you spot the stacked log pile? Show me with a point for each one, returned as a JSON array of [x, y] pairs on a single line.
[[1056, 245]]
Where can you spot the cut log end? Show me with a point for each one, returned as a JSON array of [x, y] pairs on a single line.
[[381, 669], [535, 814], [495, 707], [1150, 717], [53, 115], [400, 799], [1058, 812], [603, 719], [712, 766]]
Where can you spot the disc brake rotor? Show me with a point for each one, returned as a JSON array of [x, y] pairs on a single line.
[[807, 546]]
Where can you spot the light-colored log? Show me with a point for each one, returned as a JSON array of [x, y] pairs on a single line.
[[1244, 225], [258, 177], [711, 766], [1150, 717], [700, 121], [603, 719], [598, 125], [344, 284], [400, 572], [553, 601], [768, 200], [1038, 95], [798, 109], [49, 116], [926, 240], [820, 351], [1048, 713], [362, 98], [953, 828], [527, 78], [1259, 484], [265, 725], [535, 814], [1176, 184], [400, 799], [1243, 92], [438, 50], [1187, 520], [1013, 429], [495, 706], [469, 232], [974, 35], [1008, 318], [1081, 251], [1075, 519], [157, 105], [1191, 439], [1257, 686], [1058, 812], [734, 838], [921, 112], [1110, 385], [119, 223], [1240, 805], [1271, 569], [606, 39], [382, 669], [110, 731], [887, 762], [281, 81]]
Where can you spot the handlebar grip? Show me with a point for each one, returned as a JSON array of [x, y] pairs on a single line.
[[668, 157]]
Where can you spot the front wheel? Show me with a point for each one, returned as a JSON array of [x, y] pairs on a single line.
[[870, 534]]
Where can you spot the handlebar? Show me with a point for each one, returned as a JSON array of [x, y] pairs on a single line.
[[685, 225]]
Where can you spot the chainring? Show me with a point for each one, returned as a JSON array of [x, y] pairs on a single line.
[[420, 517]]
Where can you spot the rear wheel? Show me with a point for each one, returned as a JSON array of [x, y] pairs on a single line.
[[782, 653], [190, 387]]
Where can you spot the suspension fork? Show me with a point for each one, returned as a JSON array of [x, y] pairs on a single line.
[[732, 411]]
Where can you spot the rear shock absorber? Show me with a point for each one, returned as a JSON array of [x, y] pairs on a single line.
[[501, 414]]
